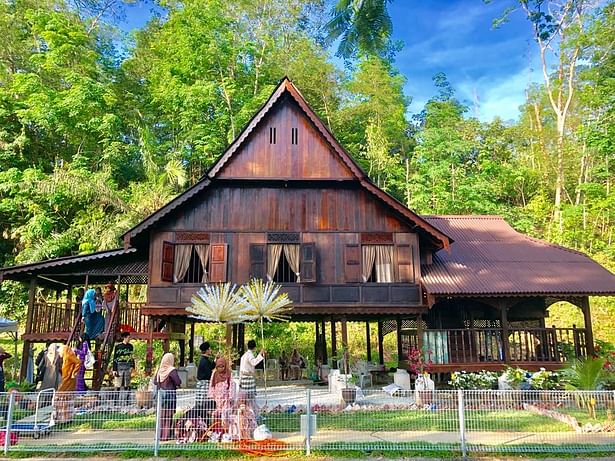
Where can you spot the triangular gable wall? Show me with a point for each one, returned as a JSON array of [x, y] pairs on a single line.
[[326, 143], [286, 145]]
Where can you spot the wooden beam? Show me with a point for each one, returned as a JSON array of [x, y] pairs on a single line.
[[344, 333]]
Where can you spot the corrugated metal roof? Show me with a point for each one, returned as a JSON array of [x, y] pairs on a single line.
[[490, 258]]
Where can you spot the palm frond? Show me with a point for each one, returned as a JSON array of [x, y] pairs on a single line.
[[265, 301], [220, 303]]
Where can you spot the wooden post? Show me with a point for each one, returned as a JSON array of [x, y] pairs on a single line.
[[400, 352], [345, 345], [368, 342], [229, 339], [241, 346], [333, 339], [149, 354], [419, 332], [504, 326], [589, 332], [26, 344], [380, 345], [191, 344], [69, 300], [182, 352], [323, 339]]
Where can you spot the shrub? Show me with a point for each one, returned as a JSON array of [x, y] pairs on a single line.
[[468, 381]]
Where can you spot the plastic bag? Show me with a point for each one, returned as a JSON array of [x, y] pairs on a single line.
[[89, 360], [262, 432]]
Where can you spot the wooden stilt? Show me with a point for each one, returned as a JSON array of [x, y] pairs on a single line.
[[368, 342], [400, 353], [191, 344], [380, 345], [182, 352], [333, 339]]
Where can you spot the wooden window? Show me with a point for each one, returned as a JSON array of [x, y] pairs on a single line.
[[294, 136], [168, 259], [308, 262], [258, 261], [272, 135], [195, 273], [218, 262], [284, 273], [352, 263]]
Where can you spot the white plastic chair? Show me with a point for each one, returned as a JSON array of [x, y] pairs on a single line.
[[272, 365]]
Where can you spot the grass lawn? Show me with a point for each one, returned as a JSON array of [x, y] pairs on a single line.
[[583, 417], [417, 420]]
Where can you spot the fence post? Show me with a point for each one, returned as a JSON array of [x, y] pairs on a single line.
[[9, 423], [308, 413], [462, 423], [157, 431]]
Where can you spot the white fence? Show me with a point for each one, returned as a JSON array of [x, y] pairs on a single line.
[[436, 421]]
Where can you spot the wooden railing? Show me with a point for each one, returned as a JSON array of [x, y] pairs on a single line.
[[61, 316], [487, 345]]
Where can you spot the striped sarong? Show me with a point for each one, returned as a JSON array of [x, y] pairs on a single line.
[[247, 386], [202, 389]]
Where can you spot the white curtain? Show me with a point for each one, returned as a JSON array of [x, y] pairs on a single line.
[[368, 256], [273, 259], [384, 263], [292, 253], [182, 261], [203, 252]]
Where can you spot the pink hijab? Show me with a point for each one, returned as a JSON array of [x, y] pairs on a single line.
[[166, 367]]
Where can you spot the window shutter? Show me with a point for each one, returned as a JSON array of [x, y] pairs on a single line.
[[168, 261], [352, 263], [217, 262], [308, 262], [405, 263], [258, 259]]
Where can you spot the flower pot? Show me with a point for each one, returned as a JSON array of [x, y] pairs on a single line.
[[143, 399], [349, 394]]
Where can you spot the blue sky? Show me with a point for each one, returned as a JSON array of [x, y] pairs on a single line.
[[489, 68]]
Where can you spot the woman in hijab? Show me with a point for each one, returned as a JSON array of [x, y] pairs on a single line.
[[94, 321], [167, 379], [108, 302], [222, 391], [82, 350], [295, 365], [52, 366], [64, 404], [3, 356]]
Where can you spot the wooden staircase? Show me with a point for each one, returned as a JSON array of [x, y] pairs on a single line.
[[103, 349]]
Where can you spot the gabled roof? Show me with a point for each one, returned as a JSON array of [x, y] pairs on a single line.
[[286, 87], [103, 265], [490, 258]]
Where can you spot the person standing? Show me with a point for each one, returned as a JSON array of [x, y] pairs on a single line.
[[64, 403], [123, 363], [52, 369], [94, 321], [82, 350], [222, 391], [3, 356], [167, 379], [203, 375], [247, 367]]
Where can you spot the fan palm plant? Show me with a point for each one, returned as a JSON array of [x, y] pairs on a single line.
[[265, 302], [220, 303], [585, 374]]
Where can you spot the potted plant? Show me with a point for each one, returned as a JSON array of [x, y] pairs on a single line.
[[349, 391], [143, 394]]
